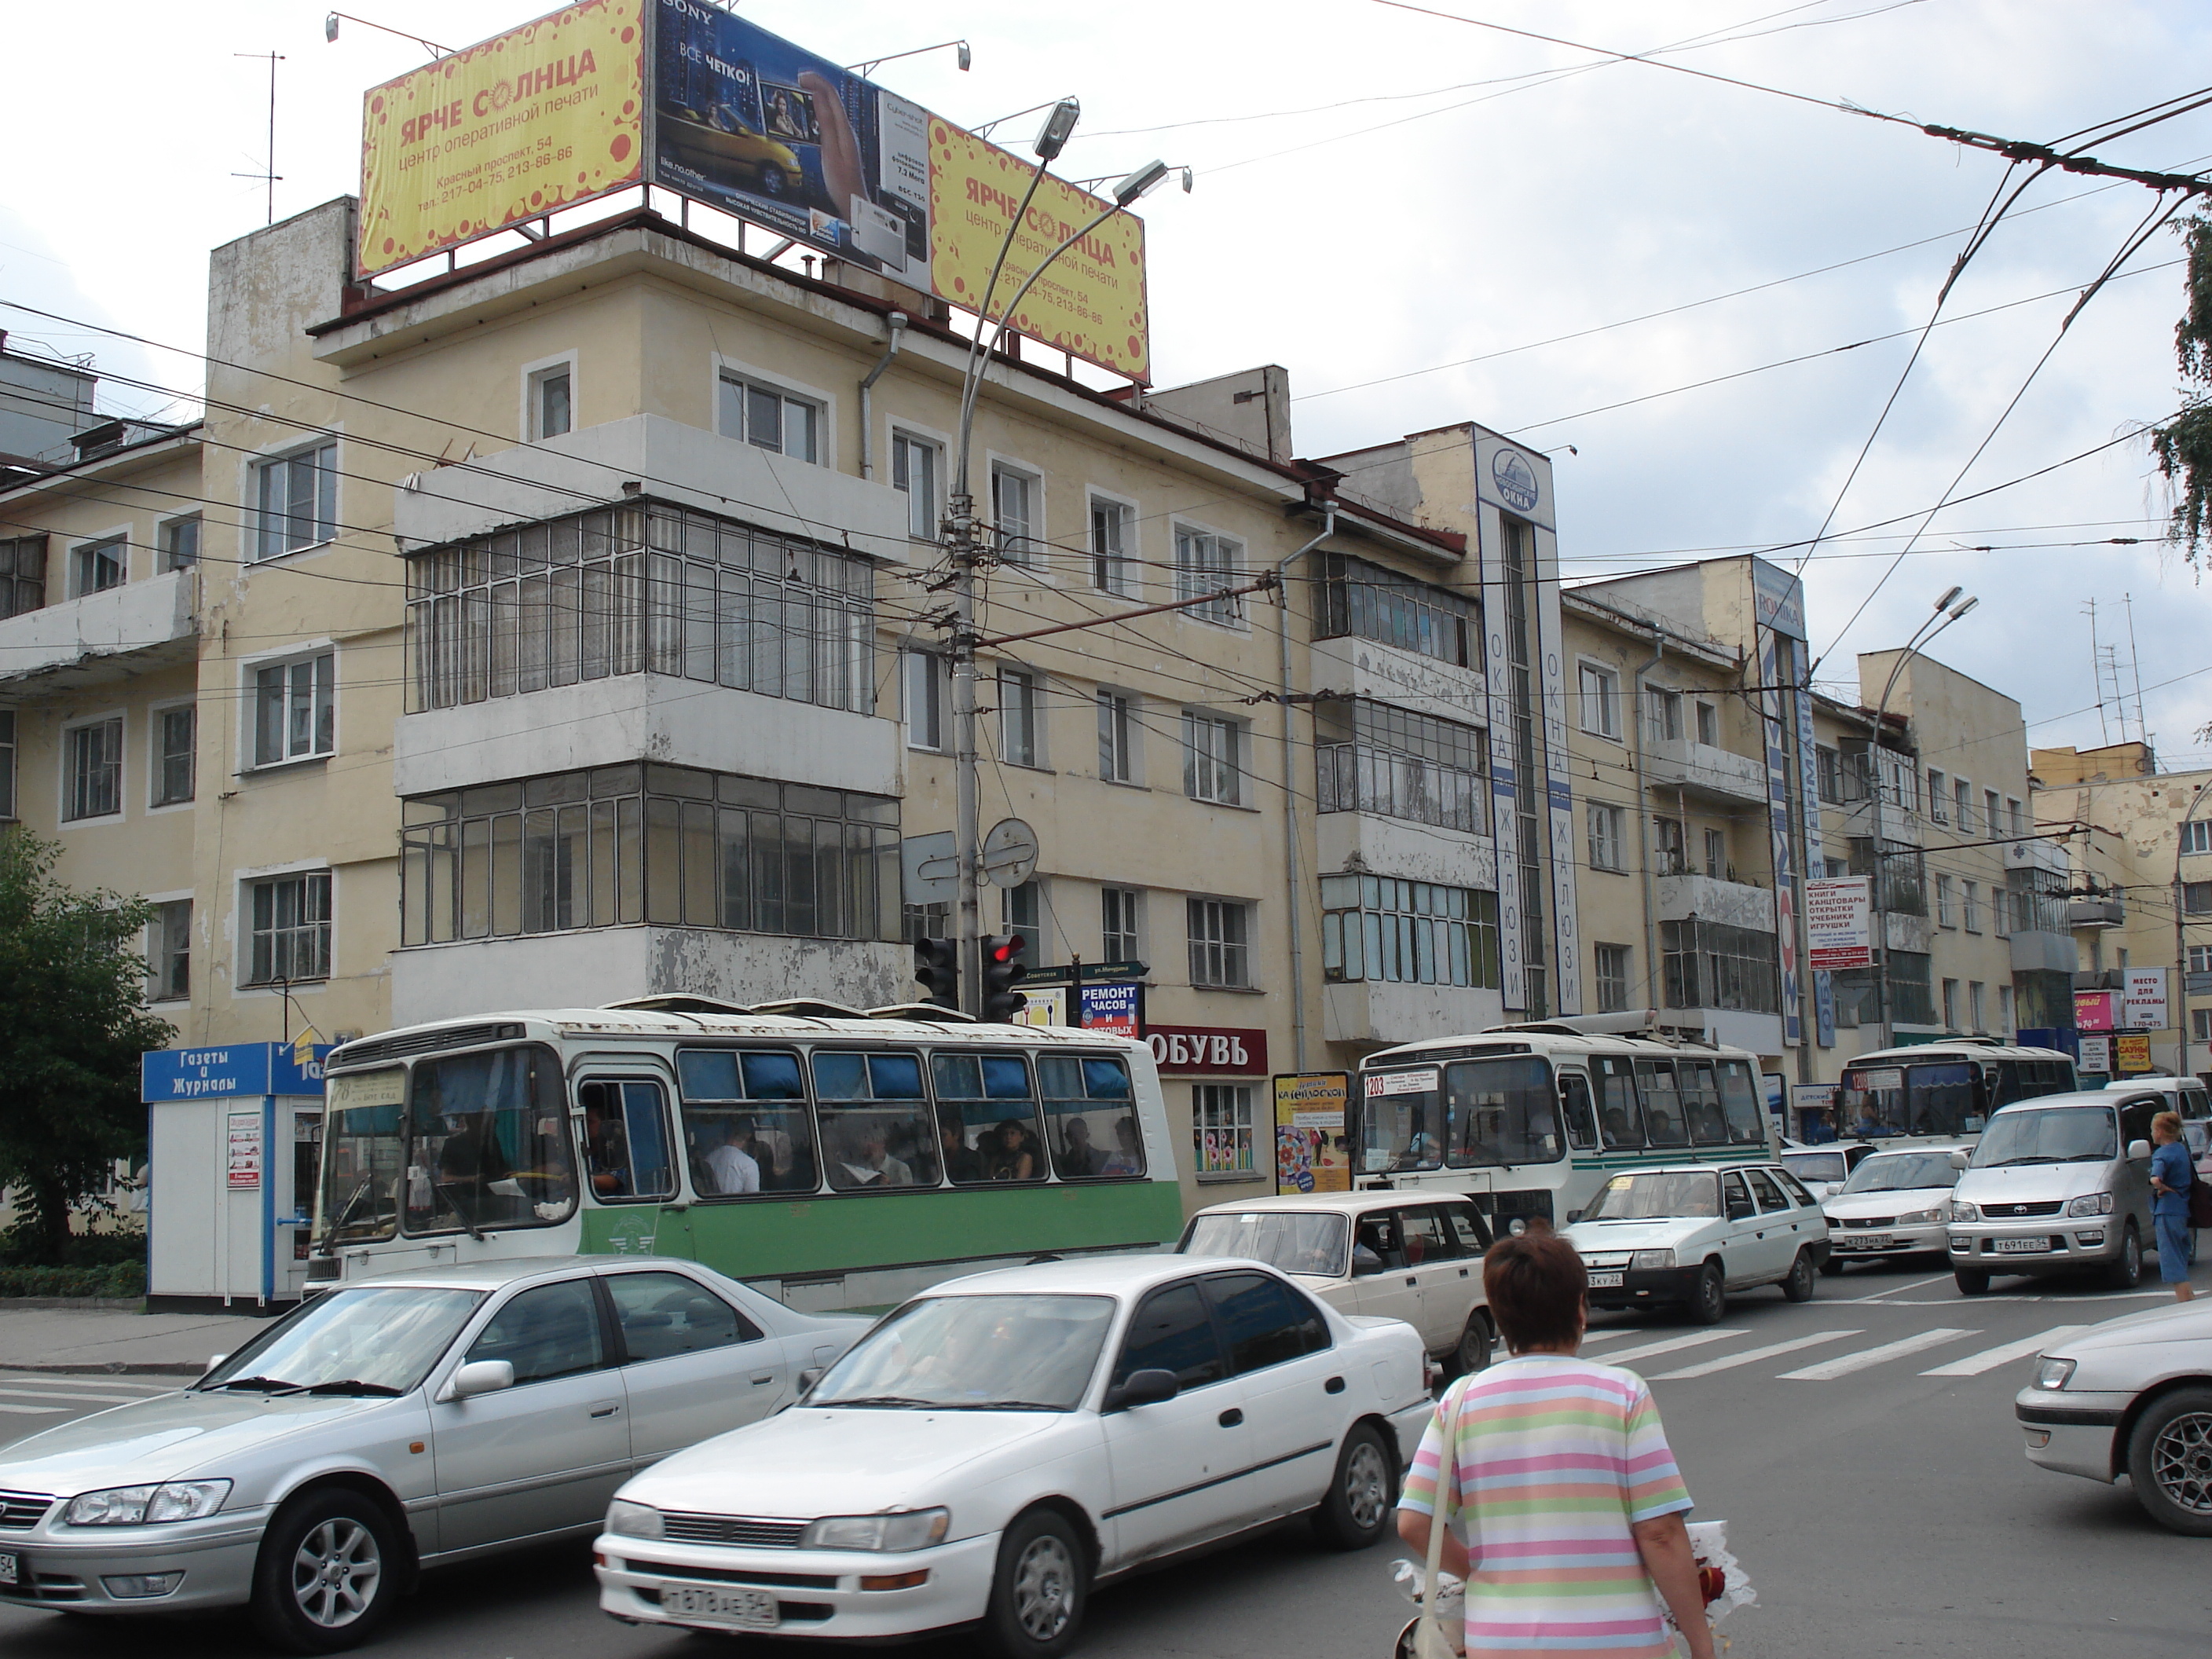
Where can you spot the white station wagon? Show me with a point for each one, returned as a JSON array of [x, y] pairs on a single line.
[[1003, 1442], [1688, 1234]]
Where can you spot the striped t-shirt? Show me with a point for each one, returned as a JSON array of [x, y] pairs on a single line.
[[1551, 1460]]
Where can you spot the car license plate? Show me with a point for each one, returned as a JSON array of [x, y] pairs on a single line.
[[1605, 1280], [2023, 1246], [755, 1609], [1864, 1241], [14, 1571]]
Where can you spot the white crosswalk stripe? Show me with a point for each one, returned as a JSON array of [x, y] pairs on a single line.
[[1989, 1358], [1863, 1359], [33, 1411], [1753, 1356], [1649, 1349], [123, 1388], [41, 1392]]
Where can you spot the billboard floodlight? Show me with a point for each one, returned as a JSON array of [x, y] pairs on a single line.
[[1057, 127], [1142, 182]]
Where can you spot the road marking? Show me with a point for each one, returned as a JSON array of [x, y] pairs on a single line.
[[34, 1411], [52, 1380], [1590, 1337], [1899, 1290], [1672, 1343], [1864, 1357], [15, 1392], [1989, 1358], [1751, 1356]]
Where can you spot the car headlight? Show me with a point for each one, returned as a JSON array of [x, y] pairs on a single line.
[[633, 1520], [145, 1506], [2053, 1373], [1919, 1218], [910, 1529], [1962, 1211], [2091, 1204], [1644, 1261]]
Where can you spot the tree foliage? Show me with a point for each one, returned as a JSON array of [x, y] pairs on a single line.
[[73, 983], [2183, 446]]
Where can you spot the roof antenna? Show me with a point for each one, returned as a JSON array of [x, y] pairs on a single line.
[[271, 175]]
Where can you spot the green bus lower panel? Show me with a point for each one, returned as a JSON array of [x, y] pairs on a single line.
[[770, 1238]]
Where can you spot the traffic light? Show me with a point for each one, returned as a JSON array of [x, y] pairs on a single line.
[[1006, 964], [936, 965]]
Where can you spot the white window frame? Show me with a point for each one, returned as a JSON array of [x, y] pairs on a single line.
[[1198, 908], [242, 930], [1121, 736], [1612, 838], [250, 670], [1715, 842], [2004, 1010], [1939, 807], [925, 679], [1709, 724], [165, 531], [1131, 582], [1028, 709], [1029, 552], [1946, 915], [1950, 1006], [1204, 766], [1969, 906], [1606, 699], [1190, 577], [157, 946], [1666, 709], [1962, 806], [325, 529], [118, 541], [534, 378], [1600, 980], [1992, 805], [118, 718], [924, 521], [1131, 902], [156, 717], [731, 369], [1977, 997], [1229, 1105], [2015, 816], [2195, 836]]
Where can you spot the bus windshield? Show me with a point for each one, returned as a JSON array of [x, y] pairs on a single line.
[[1502, 1111], [1931, 1098]]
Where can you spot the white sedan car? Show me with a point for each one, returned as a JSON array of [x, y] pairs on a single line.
[[1003, 1443], [1894, 1203], [2132, 1396]]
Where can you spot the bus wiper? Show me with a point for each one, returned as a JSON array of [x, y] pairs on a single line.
[[345, 1214], [354, 1385], [454, 1205]]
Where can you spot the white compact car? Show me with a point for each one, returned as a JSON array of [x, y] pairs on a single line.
[[1894, 1203], [392, 1424], [2132, 1396], [1687, 1234], [1001, 1444]]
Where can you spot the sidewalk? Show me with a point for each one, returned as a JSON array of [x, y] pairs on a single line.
[[111, 1338]]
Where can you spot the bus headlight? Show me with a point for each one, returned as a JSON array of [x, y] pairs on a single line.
[[1651, 1262]]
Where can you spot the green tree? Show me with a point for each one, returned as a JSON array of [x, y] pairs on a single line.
[[73, 982], [2183, 446]]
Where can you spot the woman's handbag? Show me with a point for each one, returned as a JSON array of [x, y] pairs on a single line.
[[2200, 1201]]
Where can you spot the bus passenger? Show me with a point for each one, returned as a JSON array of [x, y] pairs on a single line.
[[1008, 1157], [1078, 1157], [606, 1148], [734, 1168], [1129, 1159], [961, 1162], [866, 1162]]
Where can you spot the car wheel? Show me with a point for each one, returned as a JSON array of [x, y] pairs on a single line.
[[1799, 1286], [2170, 1462], [1708, 1297], [1971, 1283], [328, 1573], [1473, 1353], [772, 182], [1038, 1592], [1832, 1267], [2126, 1273], [1361, 1492]]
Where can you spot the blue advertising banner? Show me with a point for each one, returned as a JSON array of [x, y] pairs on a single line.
[[227, 1072]]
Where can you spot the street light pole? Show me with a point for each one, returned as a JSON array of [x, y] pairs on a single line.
[[2180, 938]]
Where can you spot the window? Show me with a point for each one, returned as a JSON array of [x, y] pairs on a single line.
[[1016, 496], [1023, 909], [295, 716], [1264, 1321], [1716, 862], [1120, 936], [1018, 717], [1708, 726], [7, 763], [94, 787], [2004, 1011], [767, 417], [1207, 564], [2200, 1022], [1172, 1331], [665, 844], [1970, 905], [2200, 958], [98, 565], [916, 463], [1674, 860], [1377, 757], [626, 1139], [298, 495], [2196, 836], [1975, 1005], [290, 928], [1221, 1128], [549, 1332], [1962, 804], [1666, 716], [1946, 914], [637, 589], [175, 734], [663, 1315], [2196, 898], [1938, 803], [22, 574], [1112, 566], [1828, 769], [919, 921], [929, 694], [1992, 813], [876, 1126], [551, 413], [2015, 816], [1089, 1116], [1218, 941], [1599, 688], [987, 1118], [1606, 847], [1416, 933], [489, 1143], [1365, 601], [1710, 964], [181, 542], [1836, 866], [1950, 1005], [1612, 969], [1212, 758], [169, 952], [746, 1123], [1117, 737]]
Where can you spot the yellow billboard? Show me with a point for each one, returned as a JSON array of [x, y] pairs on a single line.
[[542, 117], [1090, 302]]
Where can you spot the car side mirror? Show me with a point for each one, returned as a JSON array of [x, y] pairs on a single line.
[[1960, 1157], [2138, 1152], [808, 1377], [1145, 1388], [215, 1359], [1739, 1209], [1573, 1216], [482, 1376], [1365, 1264]]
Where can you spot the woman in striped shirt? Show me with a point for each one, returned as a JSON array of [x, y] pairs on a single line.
[[1558, 1483]]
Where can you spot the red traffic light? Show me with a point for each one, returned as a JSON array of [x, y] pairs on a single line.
[[1007, 948]]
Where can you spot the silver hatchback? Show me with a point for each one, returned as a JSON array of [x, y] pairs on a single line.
[[406, 1420]]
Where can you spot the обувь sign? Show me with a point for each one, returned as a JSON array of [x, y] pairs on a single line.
[[1223, 1051]]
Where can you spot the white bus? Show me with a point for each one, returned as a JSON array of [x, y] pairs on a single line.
[[832, 1158], [1532, 1119], [1947, 1089]]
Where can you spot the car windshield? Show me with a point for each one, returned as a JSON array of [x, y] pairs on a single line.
[[1897, 1172], [1664, 1192], [379, 1338], [974, 1353], [2058, 1134], [1814, 1166], [1295, 1243]]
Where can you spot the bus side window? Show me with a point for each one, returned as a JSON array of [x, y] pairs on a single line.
[[1582, 1124], [1662, 1102], [1619, 1119], [745, 1124], [2009, 1084], [626, 1139]]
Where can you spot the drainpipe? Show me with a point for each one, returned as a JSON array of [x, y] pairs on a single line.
[[1290, 886], [897, 320], [1653, 981]]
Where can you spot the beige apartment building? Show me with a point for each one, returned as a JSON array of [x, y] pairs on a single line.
[[568, 626]]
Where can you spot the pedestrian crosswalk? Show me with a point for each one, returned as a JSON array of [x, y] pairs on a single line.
[[49, 1393], [1989, 1358], [1829, 1365], [1828, 1370]]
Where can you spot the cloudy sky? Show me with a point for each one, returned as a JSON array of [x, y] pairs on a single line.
[[1426, 221]]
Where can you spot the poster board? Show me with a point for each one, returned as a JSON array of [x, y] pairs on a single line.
[[1311, 1152]]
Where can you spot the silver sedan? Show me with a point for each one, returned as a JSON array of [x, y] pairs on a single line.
[[406, 1420]]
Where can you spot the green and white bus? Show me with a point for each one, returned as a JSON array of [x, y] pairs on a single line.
[[1531, 1120], [830, 1157]]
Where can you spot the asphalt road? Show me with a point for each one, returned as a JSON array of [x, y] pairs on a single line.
[[1870, 1470]]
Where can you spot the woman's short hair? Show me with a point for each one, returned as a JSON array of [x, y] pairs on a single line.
[[2169, 1123], [1535, 1284]]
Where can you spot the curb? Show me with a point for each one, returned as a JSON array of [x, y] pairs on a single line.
[[130, 1304], [109, 1368]]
